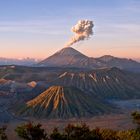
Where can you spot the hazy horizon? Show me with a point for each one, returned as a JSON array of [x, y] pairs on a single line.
[[40, 59], [38, 28]]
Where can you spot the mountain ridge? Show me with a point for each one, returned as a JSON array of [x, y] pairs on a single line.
[[70, 57]]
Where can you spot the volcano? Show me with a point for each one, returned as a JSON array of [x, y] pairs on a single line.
[[71, 58], [64, 102]]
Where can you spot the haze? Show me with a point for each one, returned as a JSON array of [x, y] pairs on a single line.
[[37, 28]]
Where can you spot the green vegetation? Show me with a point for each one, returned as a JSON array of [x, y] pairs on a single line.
[[32, 131], [136, 117], [2, 133]]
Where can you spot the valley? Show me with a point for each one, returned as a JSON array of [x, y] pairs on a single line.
[[65, 92], [70, 92]]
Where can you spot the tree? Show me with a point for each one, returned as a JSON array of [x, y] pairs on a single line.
[[31, 131], [3, 135], [136, 119], [69, 131], [109, 134], [56, 135], [80, 132]]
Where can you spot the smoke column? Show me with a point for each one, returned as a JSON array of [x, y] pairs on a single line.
[[82, 30]]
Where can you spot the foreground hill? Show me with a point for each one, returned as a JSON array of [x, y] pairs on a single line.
[[64, 102], [69, 57]]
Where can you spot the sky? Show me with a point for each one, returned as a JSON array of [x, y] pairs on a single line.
[[38, 28]]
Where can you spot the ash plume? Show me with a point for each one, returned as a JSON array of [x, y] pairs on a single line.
[[82, 30]]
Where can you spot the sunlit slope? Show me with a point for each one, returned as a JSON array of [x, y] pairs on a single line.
[[64, 102]]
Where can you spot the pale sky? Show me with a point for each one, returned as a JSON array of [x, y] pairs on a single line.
[[38, 28]]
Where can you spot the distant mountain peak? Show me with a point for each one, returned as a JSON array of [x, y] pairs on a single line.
[[106, 57], [69, 51], [65, 57]]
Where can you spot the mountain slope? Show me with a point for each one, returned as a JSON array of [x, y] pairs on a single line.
[[121, 63], [69, 57], [106, 83], [64, 102]]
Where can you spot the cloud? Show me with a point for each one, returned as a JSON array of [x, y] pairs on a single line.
[[34, 26]]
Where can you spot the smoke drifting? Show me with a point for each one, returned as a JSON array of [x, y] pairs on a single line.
[[83, 30]]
